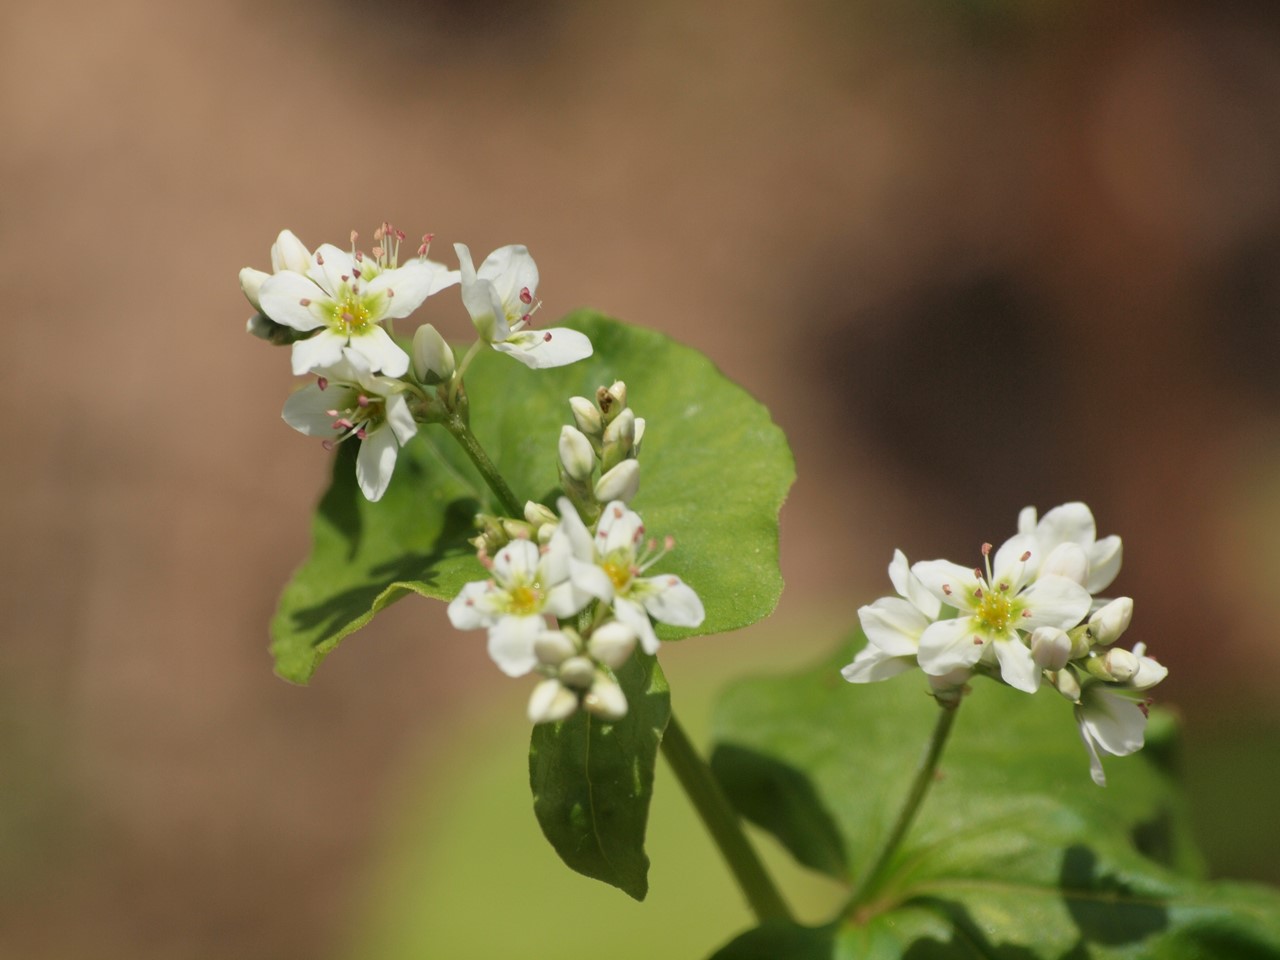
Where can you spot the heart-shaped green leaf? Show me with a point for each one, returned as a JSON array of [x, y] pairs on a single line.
[[714, 472]]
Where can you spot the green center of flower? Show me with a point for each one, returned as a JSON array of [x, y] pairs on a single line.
[[618, 572], [524, 600], [994, 611], [350, 315]]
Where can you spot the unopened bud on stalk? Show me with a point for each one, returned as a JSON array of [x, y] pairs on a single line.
[[251, 281], [289, 253], [1107, 625], [576, 456], [551, 701], [620, 483], [605, 699], [635, 444], [1050, 648], [433, 360], [538, 515], [612, 401], [517, 529], [1081, 641], [587, 416], [553, 647], [612, 643], [577, 672], [619, 437], [1067, 685]]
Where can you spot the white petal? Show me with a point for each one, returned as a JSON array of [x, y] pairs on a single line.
[[375, 463], [289, 253], [949, 582], [577, 532], [634, 616], [511, 642], [893, 625], [1053, 601], [591, 579], [668, 599], [306, 410], [322, 350], [468, 610], [510, 268], [1067, 560], [1008, 565], [1017, 667], [618, 528], [399, 419], [481, 300], [1104, 563], [872, 664], [516, 563], [329, 265], [565, 600], [621, 483], [410, 285], [1115, 722], [1095, 761], [282, 296], [947, 645], [542, 349], [251, 281], [381, 352], [551, 701], [1069, 523], [1150, 672], [1027, 520]]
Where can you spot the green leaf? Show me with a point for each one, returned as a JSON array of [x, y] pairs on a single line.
[[1014, 854], [714, 472], [592, 781]]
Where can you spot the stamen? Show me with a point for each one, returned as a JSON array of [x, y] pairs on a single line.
[[1004, 587], [305, 302], [331, 413], [977, 573], [356, 272], [322, 382], [345, 278], [669, 543], [546, 337], [343, 423], [354, 237], [977, 641], [362, 400], [1026, 613], [986, 549], [525, 296], [377, 252], [320, 259], [390, 293], [978, 594], [1025, 557], [362, 433], [946, 588], [327, 444]]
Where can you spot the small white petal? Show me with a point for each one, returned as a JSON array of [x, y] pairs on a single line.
[[399, 419], [1067, 560], [1027, 520], [1017, 667], [948, 645], [668, 599], [1053, 601], [1115, 722], [591, 579], [872, 664], [1008, 565], [281, 297], [575, 530], [1150, 672], [634, 616], [329, 265], [382, 353], [410, 286], [375, 463], [307, 409], [511, 642], [468, 610], [1069, 523], [324, 349], [951, 583], [516, 563], [542, 349], [551, 702], [893, 625], [511, 269], [289, 253], [1104, 563]]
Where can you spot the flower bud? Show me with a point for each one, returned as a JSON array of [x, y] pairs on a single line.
[[433, 360], [576, 456], [1081, 641], [618, 439], [289, 253], [554, 647], [587, 416], [1067, 684], [1067, 560], [620, 483], [1050, 648], [612, 400], [1121, 664], [1111, 621], [1150, 672], [516, 529], [251, 281], [950, 688], [635, 444], [577, 672], [538, 515], [605, 699], [612, 643], [551, 701]]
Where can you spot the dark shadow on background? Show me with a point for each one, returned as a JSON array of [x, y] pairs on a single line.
[[1104, 908]]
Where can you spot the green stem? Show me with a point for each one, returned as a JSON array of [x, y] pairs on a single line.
[[461, 371], [723, 824], [925, 776], [462, 433]]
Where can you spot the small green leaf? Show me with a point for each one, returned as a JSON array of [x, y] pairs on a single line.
[[592, 781], [714, 472], [1015, 853]]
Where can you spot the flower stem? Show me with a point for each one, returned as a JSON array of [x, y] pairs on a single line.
[[925, 775], [462, 433], [723, 824]]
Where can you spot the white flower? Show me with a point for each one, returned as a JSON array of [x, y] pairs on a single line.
[[1067, 544], [609, 567], [893, 626], [500, 298], [994, 611], [1110, 723], [527, 585], [348, 401], [344, 297]]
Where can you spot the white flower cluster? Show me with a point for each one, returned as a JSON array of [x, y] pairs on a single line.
[[1028, 617], [594, 578], [331, 304]]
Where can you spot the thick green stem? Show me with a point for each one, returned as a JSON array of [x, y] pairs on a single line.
[[462, 433], [925, 776], [723, 824]]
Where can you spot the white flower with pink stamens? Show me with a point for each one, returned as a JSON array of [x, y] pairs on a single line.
[[893, 626], [501, 298], [345, 296]]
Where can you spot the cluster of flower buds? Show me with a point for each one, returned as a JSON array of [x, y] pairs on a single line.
[[591, 580], [1028, 616], [598, 456], [334, 309]]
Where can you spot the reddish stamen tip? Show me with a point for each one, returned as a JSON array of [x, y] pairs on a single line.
[[320, 259], [390, 293], [546, 337], [331, 413], [305, 302], [362, 400], [1004, 587], [327, 444], [977, 573], [1025, 557], [673, 581], [946, 588], [342, 423], [617, 513], [362, 433], [348, 317], [669, 543], [1026, 613], [354, 236], [525, 296], [355, 272], [978, 593], [322, 382], [345, 277], [986, 549], [977, 641]]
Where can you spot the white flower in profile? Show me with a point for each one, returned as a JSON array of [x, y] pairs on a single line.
[[995, 608], [609, 567], [500, 297], [287, 253], [344, 298], [1067, 543], [893, 626], [527, 585], [347, 401], [1111, 723]]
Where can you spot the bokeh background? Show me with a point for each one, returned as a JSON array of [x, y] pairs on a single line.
[[974, 254]]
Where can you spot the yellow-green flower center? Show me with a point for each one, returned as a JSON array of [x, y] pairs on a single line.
[[350, 315], [994, 611], [524, 600], [619, 573]]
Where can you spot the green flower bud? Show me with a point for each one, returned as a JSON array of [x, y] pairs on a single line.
[[433, 360]]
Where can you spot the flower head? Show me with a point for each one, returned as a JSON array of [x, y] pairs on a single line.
[[500, 297], [347, 401], [893, 626], [345, 296]]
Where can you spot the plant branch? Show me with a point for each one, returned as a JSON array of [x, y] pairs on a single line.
[[462, 433], [723, 824]]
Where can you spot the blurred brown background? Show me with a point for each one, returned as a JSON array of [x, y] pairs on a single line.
[[974, 254]]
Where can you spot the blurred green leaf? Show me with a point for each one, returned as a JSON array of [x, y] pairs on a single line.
[[593, 781], [714, 472], [1015, 853]]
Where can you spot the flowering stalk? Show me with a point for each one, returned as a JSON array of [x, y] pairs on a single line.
[[462, 433], [723, 825], [925, 775]]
